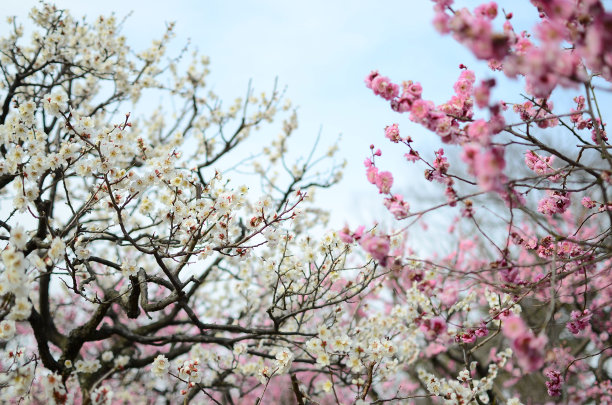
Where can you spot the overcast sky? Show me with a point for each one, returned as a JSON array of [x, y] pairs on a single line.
[[321, 50]]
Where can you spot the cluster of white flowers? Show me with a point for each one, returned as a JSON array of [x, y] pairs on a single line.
[[87, 366], [56, 102], [282, 364], [15, 280], [464, 390], [54, 389], [16, 379], [190, 371], [359, 349], [98, 189], [499, 302], [118, 362], [102, 395], [465, 304], [284, 358], [129, 268]]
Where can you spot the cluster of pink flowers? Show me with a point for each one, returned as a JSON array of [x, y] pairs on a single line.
[[473, 30], [440, 168], [443, 119], [410, 93], [601, 390], [546, 247], [555, 55], [577, 118], [397, 206], [588, 123], [452, 121], [540, 113], [433, 327], [392, 133], [382, 180], [479, 132], [471, 334], [586, 24], [482, 92], [579, 321], [487, 164], [539, 164], [553, 385], [555, 202], [545, 64], [377, 246], [509, 274], [528, 348], [567, 249], [382, 86]]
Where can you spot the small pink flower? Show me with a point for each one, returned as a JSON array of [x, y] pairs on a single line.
[[372, 174], [579, 321], [482, 93], [359, 232], [412, 156], [345, 235], [478, 131], [488, 10], [468, 337], [467, 75], [482, 331], [392, 133], [402, 104], [529, 351], [384, 181], [397, 206], [440, 22], [369, 78], [463, 88], [420, 109], [513, 327], [433, 327], [415, 89], [488, 167], [438, 325], [588, 203]]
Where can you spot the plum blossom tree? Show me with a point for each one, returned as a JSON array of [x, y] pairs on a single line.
[[134, 270], [531, 277]]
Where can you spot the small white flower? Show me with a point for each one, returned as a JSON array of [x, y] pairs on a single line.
[[107, 356], [18, 237], [121, 361], [7, 329], [160, 365]]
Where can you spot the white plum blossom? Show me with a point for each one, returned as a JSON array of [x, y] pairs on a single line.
[[7, 329], [160, 365]]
